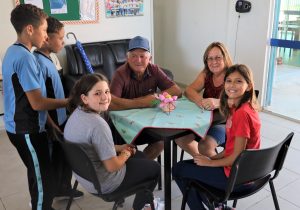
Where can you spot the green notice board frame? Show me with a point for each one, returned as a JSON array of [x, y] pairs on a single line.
[[73, 12]]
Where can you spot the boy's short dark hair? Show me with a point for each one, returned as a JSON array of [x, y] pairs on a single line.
[[54, 25], [26, 14]]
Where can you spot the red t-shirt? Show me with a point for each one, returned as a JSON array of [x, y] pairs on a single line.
[[243, 122]]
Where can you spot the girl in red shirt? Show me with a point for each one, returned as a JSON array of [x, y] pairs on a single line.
[[239, 105]]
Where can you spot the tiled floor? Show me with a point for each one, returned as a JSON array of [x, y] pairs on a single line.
[[14, 193]]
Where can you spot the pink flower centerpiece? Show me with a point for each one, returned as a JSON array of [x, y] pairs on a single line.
[[166, 102]]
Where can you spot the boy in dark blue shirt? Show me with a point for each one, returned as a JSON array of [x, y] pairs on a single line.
[[56, 118]]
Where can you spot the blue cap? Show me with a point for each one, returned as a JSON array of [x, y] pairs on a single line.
[[139, 42]]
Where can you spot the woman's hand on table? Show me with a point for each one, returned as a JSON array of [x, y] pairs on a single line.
[[210, 103], [199, 103]]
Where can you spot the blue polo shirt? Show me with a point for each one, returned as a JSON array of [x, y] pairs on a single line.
[[21, 74], [54, 86]]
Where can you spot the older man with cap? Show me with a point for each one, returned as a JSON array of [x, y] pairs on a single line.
[[135, 83]]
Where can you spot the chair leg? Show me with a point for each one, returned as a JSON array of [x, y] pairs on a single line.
[[160, 177], [234, 203], [174, 153], [151, 198], [274, 195], [118, 203], [185, 195], [174, 161], [210, 204], [211, 207], [181, 155], [184, 198], [72, 195]]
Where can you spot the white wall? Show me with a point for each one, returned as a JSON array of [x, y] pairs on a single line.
[[183, 30], [106, 29], [8, 35], [252, 40]]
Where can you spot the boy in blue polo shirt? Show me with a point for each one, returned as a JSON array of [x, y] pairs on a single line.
[[56, 118], [25, 103]]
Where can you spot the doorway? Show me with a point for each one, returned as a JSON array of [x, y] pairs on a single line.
[[283, 86]]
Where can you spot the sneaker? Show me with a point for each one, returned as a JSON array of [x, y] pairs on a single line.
[[64, 196]]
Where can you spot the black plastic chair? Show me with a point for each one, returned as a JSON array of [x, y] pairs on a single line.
[[255, 167], [82, 166]]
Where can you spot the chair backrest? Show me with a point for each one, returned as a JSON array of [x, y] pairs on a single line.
[[256, 93], [253, 165], [80, 162], [105, 57]]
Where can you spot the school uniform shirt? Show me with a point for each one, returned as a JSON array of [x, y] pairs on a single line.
[[243, 122], [20, 75], [53, 84]]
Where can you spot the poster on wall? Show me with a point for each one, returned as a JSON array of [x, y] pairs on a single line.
[[87, 9], [58, 7], [124, 8], [38, 3], [68, 11]]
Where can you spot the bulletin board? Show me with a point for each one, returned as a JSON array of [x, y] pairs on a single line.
[[68, 11]]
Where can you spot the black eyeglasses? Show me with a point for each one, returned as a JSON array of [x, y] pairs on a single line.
[[217, 58]]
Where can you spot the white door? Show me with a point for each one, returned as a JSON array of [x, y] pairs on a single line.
[[283, 85]]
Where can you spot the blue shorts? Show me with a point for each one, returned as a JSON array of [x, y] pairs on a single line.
[[218, 133]]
